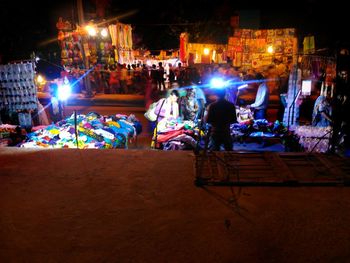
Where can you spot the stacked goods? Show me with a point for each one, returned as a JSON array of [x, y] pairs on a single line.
[[93, 131], [17, 88]]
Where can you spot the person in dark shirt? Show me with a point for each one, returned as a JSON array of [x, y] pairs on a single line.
[[221, 114]]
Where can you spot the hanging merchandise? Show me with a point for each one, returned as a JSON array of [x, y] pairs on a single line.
[[256, 48], [309, 45], [97, 47], [18, 93], [121, 36], [183, 47], [17, 88]]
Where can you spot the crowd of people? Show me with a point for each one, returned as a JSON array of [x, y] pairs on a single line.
[[189, 91], [217, 107]]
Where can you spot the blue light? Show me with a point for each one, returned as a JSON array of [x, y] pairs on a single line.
[[64, 91], [218, 83], [243, 86]]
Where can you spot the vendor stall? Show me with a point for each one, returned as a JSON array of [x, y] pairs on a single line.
[[101, 44], [86, 131], [175, 134], [255, 48], [18, 93]]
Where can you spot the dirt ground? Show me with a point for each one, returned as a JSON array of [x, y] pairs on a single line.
[[142, 206]]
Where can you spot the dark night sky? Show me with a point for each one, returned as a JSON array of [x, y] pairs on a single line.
[[26, 24]]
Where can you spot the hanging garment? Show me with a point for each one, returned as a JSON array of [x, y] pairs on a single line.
[[291, 112], [309, 45]]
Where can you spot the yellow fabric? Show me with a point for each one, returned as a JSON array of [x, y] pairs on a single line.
[[309, 45]]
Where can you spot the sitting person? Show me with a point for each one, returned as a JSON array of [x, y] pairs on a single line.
[[321, 115], [189, 105]]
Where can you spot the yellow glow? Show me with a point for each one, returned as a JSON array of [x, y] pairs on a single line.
[[270, 49], [91, 30], [206, 51], [40, 80], [104, 32]]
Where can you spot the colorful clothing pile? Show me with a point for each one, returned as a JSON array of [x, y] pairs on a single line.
[[314, 139], [93, 131], [174, 134], [258, 128]]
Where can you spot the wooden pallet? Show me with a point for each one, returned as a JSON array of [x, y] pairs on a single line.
[[271, 168]]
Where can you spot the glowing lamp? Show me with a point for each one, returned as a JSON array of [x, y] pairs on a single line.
[[64, 91], [217, 83], [270, 49], [91, 30], [206, 51], [40, 80], [104, 32]]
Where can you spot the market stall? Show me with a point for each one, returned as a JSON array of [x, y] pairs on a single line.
[[206, 53], [255, 48], [85, 132], [18, 93], [100, 44]]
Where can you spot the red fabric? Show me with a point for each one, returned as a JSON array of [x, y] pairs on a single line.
[[113, 78], [183, 40], [167, 136]]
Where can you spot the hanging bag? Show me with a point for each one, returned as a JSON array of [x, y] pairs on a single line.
[[150, 113]]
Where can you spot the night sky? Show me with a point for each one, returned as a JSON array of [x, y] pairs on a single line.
[[25, 26]]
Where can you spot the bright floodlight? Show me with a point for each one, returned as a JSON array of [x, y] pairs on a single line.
[[206, 51], [64, 91], [243, 86], [270, 49], [217, 83], [40, 80], [91, 30], [104, 32]]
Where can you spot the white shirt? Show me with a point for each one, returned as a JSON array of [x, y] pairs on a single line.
[[262, 97]]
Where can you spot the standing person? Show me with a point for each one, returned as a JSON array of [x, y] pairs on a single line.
[[124, 78], [55, 109], [171, 76], [160, 77], [166, 108], [261, 100], [220, 115], [113, 83], [180, 75]]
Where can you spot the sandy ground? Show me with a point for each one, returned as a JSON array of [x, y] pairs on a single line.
[[142, 206]]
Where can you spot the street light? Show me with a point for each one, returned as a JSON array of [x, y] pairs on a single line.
[[40, 80], [270, 49], [64, 91], [91, 29], [104, 32]]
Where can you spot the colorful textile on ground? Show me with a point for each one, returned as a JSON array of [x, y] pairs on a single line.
[[175, 134], [258, 128], [314, 139], [94, 131]]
